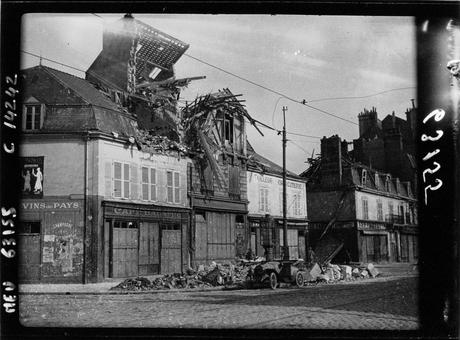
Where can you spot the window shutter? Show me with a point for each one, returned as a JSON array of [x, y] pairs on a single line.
[[161, 186], [108, 179], [134, 182]]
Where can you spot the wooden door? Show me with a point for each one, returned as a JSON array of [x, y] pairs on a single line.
[[404, 242], [29, 258], [149, 246], [201, 239], [124, 249], [171, 249]]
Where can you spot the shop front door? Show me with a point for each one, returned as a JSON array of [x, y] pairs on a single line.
[[149, 246], [171, 253], [124, 249], [29, 252]]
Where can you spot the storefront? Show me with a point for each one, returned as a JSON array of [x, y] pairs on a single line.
[[144, 239], [296, 237], [50, 241]]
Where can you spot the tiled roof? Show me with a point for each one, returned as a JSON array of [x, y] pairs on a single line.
[[258, 162], [75, 105], [82, 88]]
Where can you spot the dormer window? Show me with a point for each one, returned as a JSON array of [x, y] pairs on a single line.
[[364, 177], [228, 128], [387, 182], [32, 118], [377, 181]]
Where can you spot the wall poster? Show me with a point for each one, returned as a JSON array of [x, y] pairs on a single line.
[[32, 177]]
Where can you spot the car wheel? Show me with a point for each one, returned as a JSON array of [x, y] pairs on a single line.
[[273, 280], [299, 280]]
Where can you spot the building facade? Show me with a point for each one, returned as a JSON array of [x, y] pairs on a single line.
[[358, 213], [96, 201], [265, 195]]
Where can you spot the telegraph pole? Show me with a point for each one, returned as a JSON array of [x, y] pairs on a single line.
[[285, 236]]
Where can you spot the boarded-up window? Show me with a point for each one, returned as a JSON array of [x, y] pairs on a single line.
[[234, 180], [208, 180]]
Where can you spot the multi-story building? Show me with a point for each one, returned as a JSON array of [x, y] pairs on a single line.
[[214, 129], [358, 213], [387, 145], [265, 195], [98, 199]]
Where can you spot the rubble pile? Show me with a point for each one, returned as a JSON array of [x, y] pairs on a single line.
[[158, 144], [213, 275], [235, 275], [333, 272]]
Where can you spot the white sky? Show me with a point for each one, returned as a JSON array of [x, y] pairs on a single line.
[[303, 57]]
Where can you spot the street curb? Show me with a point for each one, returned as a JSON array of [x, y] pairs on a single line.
[[210, 289]]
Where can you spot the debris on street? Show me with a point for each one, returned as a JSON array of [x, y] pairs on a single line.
[[232, 275]]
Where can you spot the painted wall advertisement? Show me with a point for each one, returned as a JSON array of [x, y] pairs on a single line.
[[32, 174]]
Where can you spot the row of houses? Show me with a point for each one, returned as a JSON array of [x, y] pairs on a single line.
[[120, 182]]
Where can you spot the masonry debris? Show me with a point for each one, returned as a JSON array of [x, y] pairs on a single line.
[[236, 275]]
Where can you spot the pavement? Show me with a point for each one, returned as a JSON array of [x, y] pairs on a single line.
[[382, 303], [386, 271]]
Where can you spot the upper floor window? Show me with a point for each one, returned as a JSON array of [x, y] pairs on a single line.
[[365, 208], [263, 200], [297, 205], [234, 181], [173, 186], [228, 128], [32, 118], [364, 177], [387, 182], [120, 180], [379, 210], [149, 184], [390, 208], [377, 181]]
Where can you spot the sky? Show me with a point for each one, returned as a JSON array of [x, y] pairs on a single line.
[[321, 59]]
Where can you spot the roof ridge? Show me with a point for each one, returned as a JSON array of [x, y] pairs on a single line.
[[47, 69]]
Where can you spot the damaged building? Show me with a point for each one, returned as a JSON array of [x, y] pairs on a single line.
[[215, 131], [358, 213], [103, 167]]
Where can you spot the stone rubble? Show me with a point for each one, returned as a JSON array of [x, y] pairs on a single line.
[[234, 275]]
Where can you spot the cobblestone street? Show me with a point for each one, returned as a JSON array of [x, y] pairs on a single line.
[[382, 303]]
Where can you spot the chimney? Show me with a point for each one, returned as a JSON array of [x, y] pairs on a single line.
[[331, 161]]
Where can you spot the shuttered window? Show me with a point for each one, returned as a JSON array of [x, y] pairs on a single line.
[[176, 188], [121, 179], [234, 181], [297, 206], [365, 208], [149, 184], [263, 200], [379, 210], [173, 186]]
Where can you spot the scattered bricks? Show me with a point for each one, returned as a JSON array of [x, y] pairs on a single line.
[[364, 274], [355, 272], [372, 270], [201, 268], [315, 272], [330, 274], [346, 273]]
